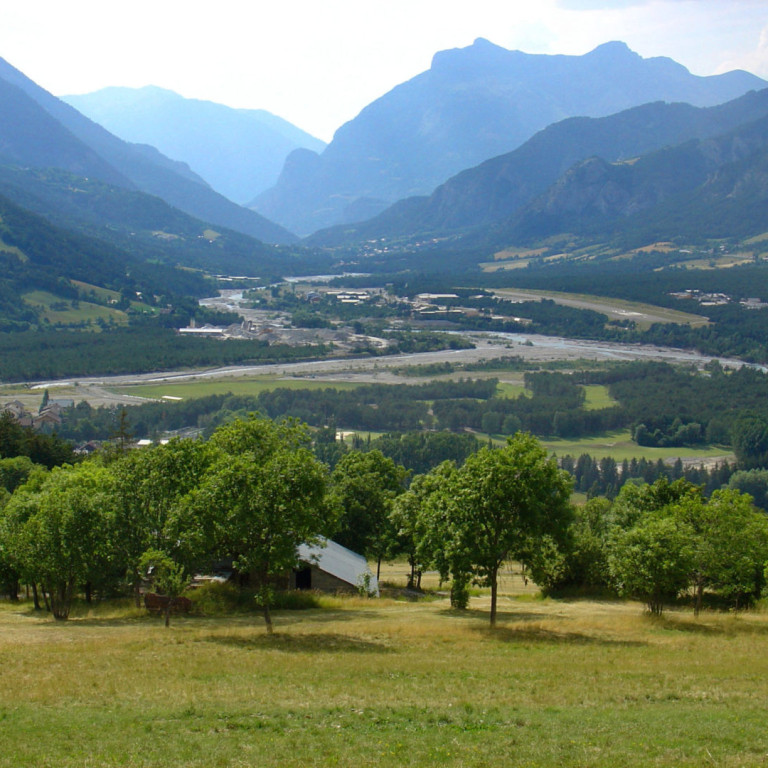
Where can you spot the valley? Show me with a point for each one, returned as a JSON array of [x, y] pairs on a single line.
[[442, 440]]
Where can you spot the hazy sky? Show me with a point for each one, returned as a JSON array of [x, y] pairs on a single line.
[[317, 63]]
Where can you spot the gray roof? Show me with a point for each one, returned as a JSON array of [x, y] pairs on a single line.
[[340, 562]]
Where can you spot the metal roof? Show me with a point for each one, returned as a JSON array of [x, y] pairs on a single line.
[[340, 562]]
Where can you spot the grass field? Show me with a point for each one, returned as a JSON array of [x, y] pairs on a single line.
[[57, 310], [619, 445], [237, 386], [387, 683], [597, 396]]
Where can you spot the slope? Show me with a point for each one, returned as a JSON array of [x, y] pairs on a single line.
[[145, 226], [707, 188]]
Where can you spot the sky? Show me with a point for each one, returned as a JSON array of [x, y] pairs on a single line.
[[317, 63]]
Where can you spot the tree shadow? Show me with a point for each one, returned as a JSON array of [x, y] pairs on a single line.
[[302, 643], [700, 626], [518, 634], [475, 614]]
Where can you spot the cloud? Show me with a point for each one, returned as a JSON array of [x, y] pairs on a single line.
[[753, 60]]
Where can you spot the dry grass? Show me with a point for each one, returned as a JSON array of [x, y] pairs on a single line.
[[387, 682]]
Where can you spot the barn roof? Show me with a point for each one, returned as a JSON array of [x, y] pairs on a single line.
[[340, 562]]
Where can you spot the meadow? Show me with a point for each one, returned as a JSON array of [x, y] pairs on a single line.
[[387, 682]]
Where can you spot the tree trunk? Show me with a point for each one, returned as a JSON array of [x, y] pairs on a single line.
[[699, 597], [35, 597], [412, 575], [137, 593], [45, 597], [13, 590], [378, 568], [494, 592], [88, 592], [168, 612], [268, 618]]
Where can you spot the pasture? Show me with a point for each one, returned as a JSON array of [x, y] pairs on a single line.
[[619, 446], [387, 683]]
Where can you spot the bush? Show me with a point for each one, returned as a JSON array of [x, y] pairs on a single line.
[[223, 599]]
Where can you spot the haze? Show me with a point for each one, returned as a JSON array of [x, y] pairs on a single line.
[[318, 64]]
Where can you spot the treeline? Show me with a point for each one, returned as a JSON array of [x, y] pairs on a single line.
[[606, 477], [377, 407], [30, 356], [18, 441], [662, 405], [254, 491]]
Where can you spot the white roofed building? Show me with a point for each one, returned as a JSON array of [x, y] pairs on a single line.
[[330, 567]]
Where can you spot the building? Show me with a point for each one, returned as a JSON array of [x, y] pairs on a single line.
[[329, 567]]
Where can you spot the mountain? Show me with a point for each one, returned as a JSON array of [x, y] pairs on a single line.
[[495, 189], [704, 188], [472, 104], [239, 152], [36, 255], [50, 131], [145, 226]]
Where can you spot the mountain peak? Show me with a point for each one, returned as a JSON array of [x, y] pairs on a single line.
[[614, 48]]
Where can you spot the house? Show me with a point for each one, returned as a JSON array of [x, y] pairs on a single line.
[[329, 567]]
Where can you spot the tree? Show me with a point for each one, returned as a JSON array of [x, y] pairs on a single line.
[[729, 545], [167, 576], [503, 504], [365, 484], [60, 531], [262, 496], [413, 524], [148, 484], [652, 560], [749, 437], [751, 481]]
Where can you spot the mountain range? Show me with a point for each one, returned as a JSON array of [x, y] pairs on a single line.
[[492, 192], [39, 130], [239, 152], [648, 172], [472, 104], [704, 188]]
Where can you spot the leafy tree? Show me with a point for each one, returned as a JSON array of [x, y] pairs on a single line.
[[365, 485], [148, 484], [59, 532], [262, 496], [503, 504], [729, 545], [14, 472], [652, 560], [749, 437], [167, 576], [751, 481], [413, 519]]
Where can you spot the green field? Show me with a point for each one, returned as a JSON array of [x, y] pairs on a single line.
[[597, 396], [237, 386], [57, 310], [620, 446], [386, 683]]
